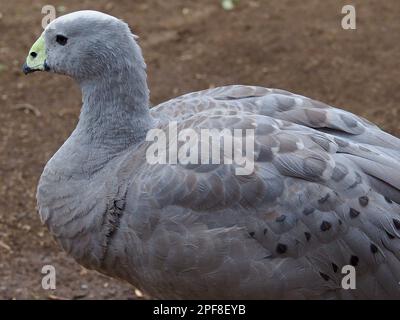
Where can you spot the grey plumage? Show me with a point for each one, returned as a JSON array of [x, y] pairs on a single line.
[[325, 191]]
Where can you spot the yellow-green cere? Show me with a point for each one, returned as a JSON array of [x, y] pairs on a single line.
[[37, 55]]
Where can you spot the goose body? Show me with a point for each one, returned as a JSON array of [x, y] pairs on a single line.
[[324, 192]]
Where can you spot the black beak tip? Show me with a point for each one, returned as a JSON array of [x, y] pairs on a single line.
[[26, 69]]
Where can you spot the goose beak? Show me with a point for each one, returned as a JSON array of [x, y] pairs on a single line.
[[36, 60]]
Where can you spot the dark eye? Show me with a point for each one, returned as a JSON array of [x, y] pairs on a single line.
[[61, 39]]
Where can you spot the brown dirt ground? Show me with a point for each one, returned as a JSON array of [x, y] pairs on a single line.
[[188, 45]]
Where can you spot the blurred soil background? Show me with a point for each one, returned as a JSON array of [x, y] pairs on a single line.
[[188, 45]]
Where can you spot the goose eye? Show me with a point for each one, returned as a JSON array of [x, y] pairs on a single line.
[[61, 40]]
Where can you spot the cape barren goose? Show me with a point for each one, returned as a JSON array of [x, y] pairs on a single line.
[[323, 193]]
